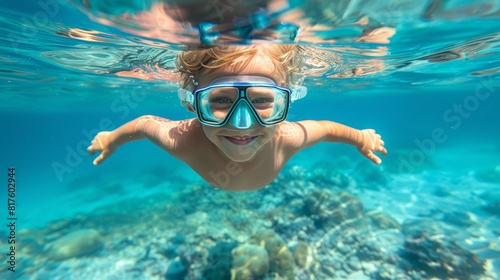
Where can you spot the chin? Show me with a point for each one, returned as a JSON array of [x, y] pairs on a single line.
[[240, 156]]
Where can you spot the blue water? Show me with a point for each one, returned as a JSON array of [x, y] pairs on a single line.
[[431, 91]]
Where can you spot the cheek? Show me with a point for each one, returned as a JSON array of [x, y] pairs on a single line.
[[270, 131], [210, 132]]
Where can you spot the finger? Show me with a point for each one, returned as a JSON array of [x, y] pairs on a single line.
[[99, 159], [382, 143], [371, 156], [91, 150], [383, 151]]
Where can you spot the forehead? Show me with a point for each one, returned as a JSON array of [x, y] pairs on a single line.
[[258, 65]]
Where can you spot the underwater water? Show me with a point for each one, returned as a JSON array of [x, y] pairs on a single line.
[[425, 75]]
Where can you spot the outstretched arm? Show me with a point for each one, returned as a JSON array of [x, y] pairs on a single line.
[[366, 141], [156, 129]]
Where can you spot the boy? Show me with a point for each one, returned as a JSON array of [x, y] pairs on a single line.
[[239, 140]]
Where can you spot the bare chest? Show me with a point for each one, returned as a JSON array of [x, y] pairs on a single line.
[[235, 176]]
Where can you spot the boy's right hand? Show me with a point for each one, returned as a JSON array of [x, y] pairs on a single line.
[[371, 143], [101, 143]]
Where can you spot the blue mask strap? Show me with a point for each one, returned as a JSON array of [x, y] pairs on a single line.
[[185, 96], [298, 93]]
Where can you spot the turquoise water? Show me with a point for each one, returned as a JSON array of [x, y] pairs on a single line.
[[431, 90]]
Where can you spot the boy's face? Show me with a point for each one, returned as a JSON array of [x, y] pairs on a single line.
[[237, 144]]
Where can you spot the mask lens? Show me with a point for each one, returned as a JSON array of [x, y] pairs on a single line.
[[215, 103], [269, 102]]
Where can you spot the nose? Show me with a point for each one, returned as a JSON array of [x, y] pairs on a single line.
[[242, 117]]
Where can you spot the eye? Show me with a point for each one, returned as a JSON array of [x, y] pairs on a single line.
[[261, 100], [221, 100]]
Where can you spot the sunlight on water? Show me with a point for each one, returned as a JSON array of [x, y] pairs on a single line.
[[349, 38]]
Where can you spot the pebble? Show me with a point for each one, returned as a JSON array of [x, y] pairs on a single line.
[[241, 238], [358, 276], [344, 249], [459, 218], [176, 271], [302, 235], [349, 239], [178, 239], [342, 275], [336, 265], [267, 223], [330, 271], [196, 219], [354, 263], [170, 252], [369, 268]]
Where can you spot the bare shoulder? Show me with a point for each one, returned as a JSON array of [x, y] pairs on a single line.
[[303, 134], [290, 134], [183, 133], [160, 127], [173, 136]]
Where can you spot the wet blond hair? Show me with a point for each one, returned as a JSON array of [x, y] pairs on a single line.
[[288, 59]]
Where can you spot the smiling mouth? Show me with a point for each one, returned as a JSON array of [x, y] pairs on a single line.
[[240, 140]]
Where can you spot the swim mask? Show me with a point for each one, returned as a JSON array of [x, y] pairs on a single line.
[[242, 101]]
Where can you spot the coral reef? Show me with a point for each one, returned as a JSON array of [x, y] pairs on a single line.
[[220, 261], [383, 221], [281, 259], [306, 225], [329, 210], [250, 261], [323, 177], [442, 258], [303, 255]]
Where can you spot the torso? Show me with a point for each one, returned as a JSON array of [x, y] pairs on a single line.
[[222, 173]]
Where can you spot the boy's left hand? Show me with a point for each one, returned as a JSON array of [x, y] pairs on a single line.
[[372, 142]]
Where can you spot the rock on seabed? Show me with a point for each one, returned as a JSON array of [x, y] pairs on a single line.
[[74, 244]]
